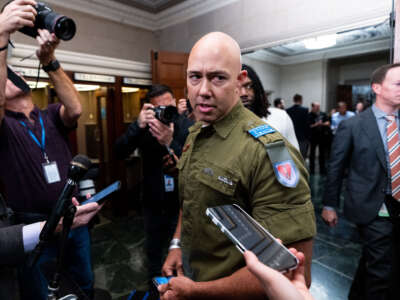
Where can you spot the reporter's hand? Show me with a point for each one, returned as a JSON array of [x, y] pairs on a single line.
[[172, 263], [85, 213], [17, 14], [48, 42], [169, 165], [182, 107], [330, 217], [276, 285], [178, 288], [163, 133], [145, 115]]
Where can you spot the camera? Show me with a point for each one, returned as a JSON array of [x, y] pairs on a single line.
[[63, 27], [166, 114]]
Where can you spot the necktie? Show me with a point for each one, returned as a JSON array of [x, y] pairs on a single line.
[[393, 143]]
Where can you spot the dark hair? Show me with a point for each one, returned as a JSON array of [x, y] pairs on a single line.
[[277, 101], [157, 90], [260, 104], [297, 98], [378, 76]]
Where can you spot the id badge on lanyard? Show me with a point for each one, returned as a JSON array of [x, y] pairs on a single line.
[[50, 169], [169, 183]]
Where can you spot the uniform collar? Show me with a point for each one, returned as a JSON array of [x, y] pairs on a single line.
[[224, 126]]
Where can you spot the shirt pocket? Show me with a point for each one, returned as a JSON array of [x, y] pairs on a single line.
[[217, 178]]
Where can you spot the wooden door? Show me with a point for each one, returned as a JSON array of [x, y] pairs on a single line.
[[169, 68], [345, 94]]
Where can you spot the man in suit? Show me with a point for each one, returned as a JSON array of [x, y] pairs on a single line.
[[361, 144], [299, 116]]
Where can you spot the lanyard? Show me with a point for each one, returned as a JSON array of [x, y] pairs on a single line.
[[43, 142]]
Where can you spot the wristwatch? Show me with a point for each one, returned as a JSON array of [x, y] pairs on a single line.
[[54, 65]]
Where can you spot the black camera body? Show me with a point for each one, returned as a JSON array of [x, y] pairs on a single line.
[[166, 114], [63, 27]]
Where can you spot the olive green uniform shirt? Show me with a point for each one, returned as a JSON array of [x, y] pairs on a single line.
[[223, 164]]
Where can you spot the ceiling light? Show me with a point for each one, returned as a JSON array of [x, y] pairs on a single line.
[[320, 42], [86, 87], [40, 84], [129, 89]]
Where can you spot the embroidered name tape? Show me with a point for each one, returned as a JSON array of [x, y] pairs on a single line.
[[225, 180], [261, 130]]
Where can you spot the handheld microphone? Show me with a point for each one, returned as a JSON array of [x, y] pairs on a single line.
[[77, 169]]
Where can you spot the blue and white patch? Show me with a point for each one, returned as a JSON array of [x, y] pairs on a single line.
[[287, 173], [261, 130]]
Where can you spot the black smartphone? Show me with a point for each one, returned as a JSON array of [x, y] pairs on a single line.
[[189, 107], [100, 196], [161, 280], [247, 234]]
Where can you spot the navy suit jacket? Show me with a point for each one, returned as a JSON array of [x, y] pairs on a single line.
[[358, 146]]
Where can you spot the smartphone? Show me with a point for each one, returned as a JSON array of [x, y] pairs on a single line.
[[161, 280], [247, 234], [100, 196]]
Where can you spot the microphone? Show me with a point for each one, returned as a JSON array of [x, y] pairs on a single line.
[[77, 169], [87, 185]]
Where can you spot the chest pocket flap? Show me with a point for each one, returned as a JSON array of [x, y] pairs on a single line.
[[218, 178]]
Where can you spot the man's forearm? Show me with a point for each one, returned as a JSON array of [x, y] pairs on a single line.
[[240, 285], [3, 74], [305, 246], [177, 234], [68, 96]]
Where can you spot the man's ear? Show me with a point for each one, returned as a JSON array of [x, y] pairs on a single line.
[[376, 87], [242, 76]]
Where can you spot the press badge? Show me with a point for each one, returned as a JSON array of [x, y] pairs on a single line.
[[169, 183], [50, 171]]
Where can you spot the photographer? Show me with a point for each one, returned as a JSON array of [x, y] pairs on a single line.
[[160, 196], [34, 149]]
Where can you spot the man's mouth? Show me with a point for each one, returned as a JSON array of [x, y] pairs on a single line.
[[205, 108]]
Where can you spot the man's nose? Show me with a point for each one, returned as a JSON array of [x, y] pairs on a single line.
[[205, 88]]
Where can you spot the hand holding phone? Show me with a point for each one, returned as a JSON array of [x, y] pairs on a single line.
[[161, 280], [100, 196]]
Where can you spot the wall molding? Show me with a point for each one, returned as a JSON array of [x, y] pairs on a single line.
[[86, 63], [128, 15]]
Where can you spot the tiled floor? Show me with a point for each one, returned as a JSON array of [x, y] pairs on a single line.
[[120, 266]]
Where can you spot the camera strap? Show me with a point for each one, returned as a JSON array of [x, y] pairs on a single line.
[[17, 81]]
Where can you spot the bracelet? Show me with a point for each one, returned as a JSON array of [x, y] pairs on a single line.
[[175, 244]]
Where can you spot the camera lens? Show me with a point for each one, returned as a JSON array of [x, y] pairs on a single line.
[[65, 28]]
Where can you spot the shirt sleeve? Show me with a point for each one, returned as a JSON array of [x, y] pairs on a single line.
[[30, 236], [286, 212]]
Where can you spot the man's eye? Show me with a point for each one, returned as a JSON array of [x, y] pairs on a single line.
[[218, 78]]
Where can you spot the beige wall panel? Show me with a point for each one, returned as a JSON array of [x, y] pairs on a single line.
[[102, 37], [263, 22]]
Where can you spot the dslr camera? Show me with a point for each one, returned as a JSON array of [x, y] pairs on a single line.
[[166, 114], [63, 27]]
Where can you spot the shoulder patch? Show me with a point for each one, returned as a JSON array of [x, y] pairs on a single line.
[[261, 130], [285, 169], [286, 173]]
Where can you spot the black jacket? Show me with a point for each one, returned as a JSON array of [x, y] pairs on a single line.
[[358, 146], [11, 253], [154, 195], [299, 116]]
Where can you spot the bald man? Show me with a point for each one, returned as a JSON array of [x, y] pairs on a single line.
[[227, 160]]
